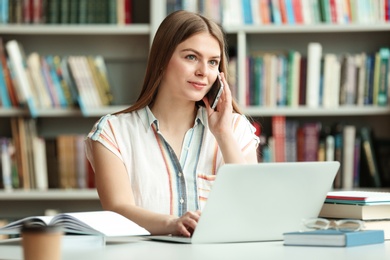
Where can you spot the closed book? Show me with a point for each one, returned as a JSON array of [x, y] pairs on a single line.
[[370, 176], [362, 212], [331, 237], [7, 76], [349, 132], [37, 76], [358, 197], [5, 100], [18, 62], [383, 224], [314, 55], [382, 98], [279, 134]]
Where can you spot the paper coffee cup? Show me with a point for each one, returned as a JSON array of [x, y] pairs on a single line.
[[41, 243]]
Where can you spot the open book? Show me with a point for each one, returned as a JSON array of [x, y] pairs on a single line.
[[106, 223]]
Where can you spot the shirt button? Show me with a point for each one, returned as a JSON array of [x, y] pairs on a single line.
[[181, 201], [180, 174]]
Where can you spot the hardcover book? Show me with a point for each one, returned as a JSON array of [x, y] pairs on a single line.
[[332, 237], [358, 197], [350, 211]]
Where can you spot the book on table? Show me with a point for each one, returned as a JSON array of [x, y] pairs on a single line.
[[383, 224], [363, 205], [358, 197], [104, 223], [355, 211], [371, 207], [332, 237]]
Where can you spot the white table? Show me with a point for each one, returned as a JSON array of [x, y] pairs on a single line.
[[145, 249]]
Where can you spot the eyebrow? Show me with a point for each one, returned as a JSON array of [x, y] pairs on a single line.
[[198, 53]]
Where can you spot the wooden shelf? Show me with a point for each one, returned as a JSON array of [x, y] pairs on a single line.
[[75, 29], [55, 194], [317, 28], [11, 112], [320, 111]]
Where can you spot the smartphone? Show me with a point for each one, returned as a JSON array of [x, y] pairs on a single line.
[[215, 92]]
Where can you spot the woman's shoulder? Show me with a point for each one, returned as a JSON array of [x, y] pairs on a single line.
[[119, 117], [115, 122]]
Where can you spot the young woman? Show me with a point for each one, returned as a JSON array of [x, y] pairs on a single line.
[[155, 162]]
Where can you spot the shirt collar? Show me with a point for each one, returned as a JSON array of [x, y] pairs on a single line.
[[148, 118]]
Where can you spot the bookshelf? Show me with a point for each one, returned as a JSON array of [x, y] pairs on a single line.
[[125, 49]]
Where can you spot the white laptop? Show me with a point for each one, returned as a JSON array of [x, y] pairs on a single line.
[[259, 202]]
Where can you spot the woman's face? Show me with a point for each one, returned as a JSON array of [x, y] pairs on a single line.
[[193, 68]]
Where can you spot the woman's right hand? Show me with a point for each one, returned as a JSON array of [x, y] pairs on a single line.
[[185, 225]]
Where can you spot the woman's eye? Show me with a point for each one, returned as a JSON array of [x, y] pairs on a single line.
[[214, 62], [191, 57]]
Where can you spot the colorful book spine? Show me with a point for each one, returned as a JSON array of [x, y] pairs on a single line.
[[313, 74], [383, 83], [279, 134], [22, 77], [5, 100]]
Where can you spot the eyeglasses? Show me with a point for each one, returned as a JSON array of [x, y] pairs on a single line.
[[341, 225]]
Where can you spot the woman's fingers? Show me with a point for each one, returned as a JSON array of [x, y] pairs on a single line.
[[188, 222]]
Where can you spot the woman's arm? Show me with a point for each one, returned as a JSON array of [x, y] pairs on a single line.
[[115, 193], [220, 125]]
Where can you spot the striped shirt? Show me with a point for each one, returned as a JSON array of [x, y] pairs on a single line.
[[160, 181]]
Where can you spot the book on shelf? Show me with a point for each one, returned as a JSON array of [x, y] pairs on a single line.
[[66, 88], [337, 132], [331, 86], [360, 62], [369, 160], [285, 78], [66, 161], [49, 60], [22, 75], [72, 166], [5, 100], [279, 134], [356, 211], [88, 90], [104, 223], [63, 12], [29, 161], [349, 133], [383, 78], [382, 152], [5, 163], [314, 54], [7, 76], [100, 78], [311, 133], [336, 238], [291, 140], [37, 76]]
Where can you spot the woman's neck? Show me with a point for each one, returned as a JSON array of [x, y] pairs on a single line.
[[172, 115]]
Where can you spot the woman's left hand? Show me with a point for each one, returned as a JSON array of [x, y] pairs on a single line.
[[220, 119]]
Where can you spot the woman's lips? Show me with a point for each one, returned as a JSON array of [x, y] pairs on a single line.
[[198, 85]]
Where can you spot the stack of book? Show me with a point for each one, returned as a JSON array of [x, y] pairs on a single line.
[[371, 207]]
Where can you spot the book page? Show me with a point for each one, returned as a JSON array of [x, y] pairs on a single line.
[[99, 222], [14, 227]]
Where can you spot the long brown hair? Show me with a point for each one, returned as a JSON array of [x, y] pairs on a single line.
[[176, 28]]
